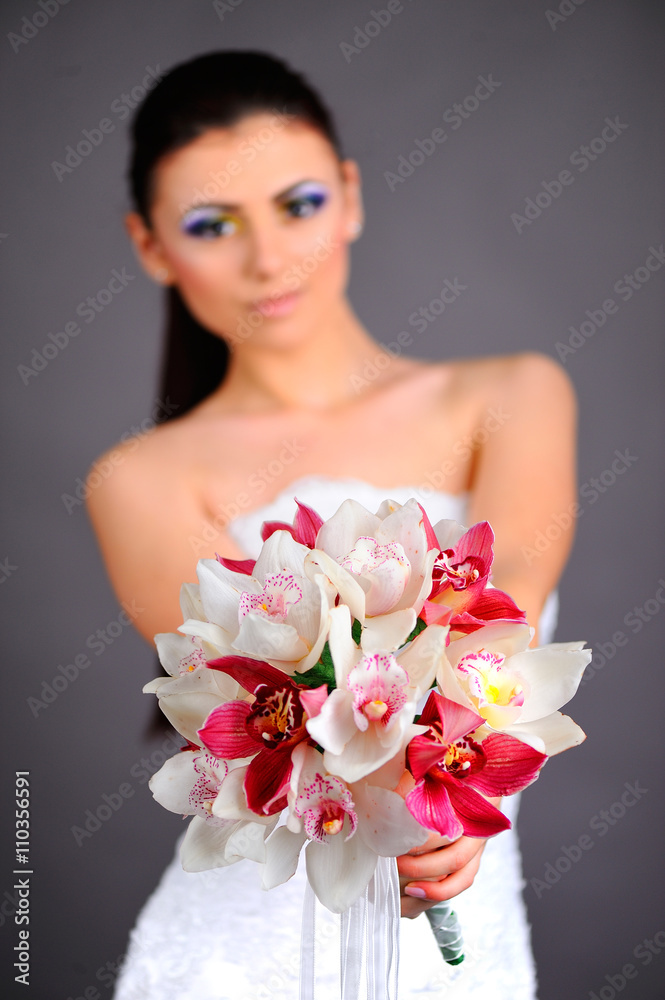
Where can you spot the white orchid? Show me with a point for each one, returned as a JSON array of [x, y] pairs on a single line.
[[191, 691], [195, 783], [347, 828], [368, 718], [517, 690], [380, 565], [273, 613]]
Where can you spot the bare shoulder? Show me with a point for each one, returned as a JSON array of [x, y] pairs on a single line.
[[526, 380], [137, 468]]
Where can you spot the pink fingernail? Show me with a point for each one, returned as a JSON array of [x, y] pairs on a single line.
[[413, 890]]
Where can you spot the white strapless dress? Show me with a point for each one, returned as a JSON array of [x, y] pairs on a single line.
[[218, 936]]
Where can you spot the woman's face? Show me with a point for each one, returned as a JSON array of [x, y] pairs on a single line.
[[252, 224]]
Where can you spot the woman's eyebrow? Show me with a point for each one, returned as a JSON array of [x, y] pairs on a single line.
[[228, 206]]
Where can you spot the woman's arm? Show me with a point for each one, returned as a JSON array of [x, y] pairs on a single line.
[[152, 530], [524, 484]]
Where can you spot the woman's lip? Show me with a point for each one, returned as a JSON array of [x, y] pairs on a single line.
[[276, 305]]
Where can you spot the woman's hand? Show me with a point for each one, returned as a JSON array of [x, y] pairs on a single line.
[[438, 870]]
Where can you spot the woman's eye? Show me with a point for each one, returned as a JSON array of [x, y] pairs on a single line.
[[305, 205], [209, 224]]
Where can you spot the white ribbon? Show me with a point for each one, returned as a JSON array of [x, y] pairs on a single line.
[[369, 938]]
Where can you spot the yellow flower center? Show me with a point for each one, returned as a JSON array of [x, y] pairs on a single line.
[[375, 710], [333, 825]]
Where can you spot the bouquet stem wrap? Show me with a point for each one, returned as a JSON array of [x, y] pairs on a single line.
[[369, 939]]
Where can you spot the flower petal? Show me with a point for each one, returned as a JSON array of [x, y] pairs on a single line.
[[384, 822], [388, 632], [224, 733], [478, 816], [552, 675], [551, 735], [282, 852], [204, 845], [430, 803], [339, 870], [510, 766], [266, 781]]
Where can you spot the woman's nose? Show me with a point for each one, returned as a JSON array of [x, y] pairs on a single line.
[[267, 250]]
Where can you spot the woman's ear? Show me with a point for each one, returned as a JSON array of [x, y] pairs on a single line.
[[353, 203], [148, 249]]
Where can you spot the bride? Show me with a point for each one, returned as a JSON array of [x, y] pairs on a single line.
[[245, 208]]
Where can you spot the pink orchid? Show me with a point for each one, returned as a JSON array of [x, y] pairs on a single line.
[[454, 767], [267, 729], [461, 595]]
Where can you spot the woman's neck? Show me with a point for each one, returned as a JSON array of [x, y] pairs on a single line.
[[316, 374]]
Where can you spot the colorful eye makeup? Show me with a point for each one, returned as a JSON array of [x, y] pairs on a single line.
[[305, 199], [209, 222]]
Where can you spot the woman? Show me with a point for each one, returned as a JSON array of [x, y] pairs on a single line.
[[245, 208]]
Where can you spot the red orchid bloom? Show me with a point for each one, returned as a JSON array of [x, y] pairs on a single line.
[[304, 529], [266, 729], [454, 771], [460, 596]]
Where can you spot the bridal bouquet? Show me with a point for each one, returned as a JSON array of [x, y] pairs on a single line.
[[358, 686]]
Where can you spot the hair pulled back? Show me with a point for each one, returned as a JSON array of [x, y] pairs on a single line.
[[215, 90]]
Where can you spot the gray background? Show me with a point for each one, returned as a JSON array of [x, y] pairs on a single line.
[[450, 218]]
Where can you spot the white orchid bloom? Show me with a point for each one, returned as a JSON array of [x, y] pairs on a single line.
[[517, 690], [368, 718], [275, 614], [347, 828], [191, 691], [380, 565], [190, 783]]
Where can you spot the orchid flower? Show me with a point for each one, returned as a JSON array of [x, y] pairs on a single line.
[[380, 565], [269, 609], [454, 767], [190, 783], [346, 827], [368, 718], [267, 729], [461, 595], [517, 690], [191, 691]]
